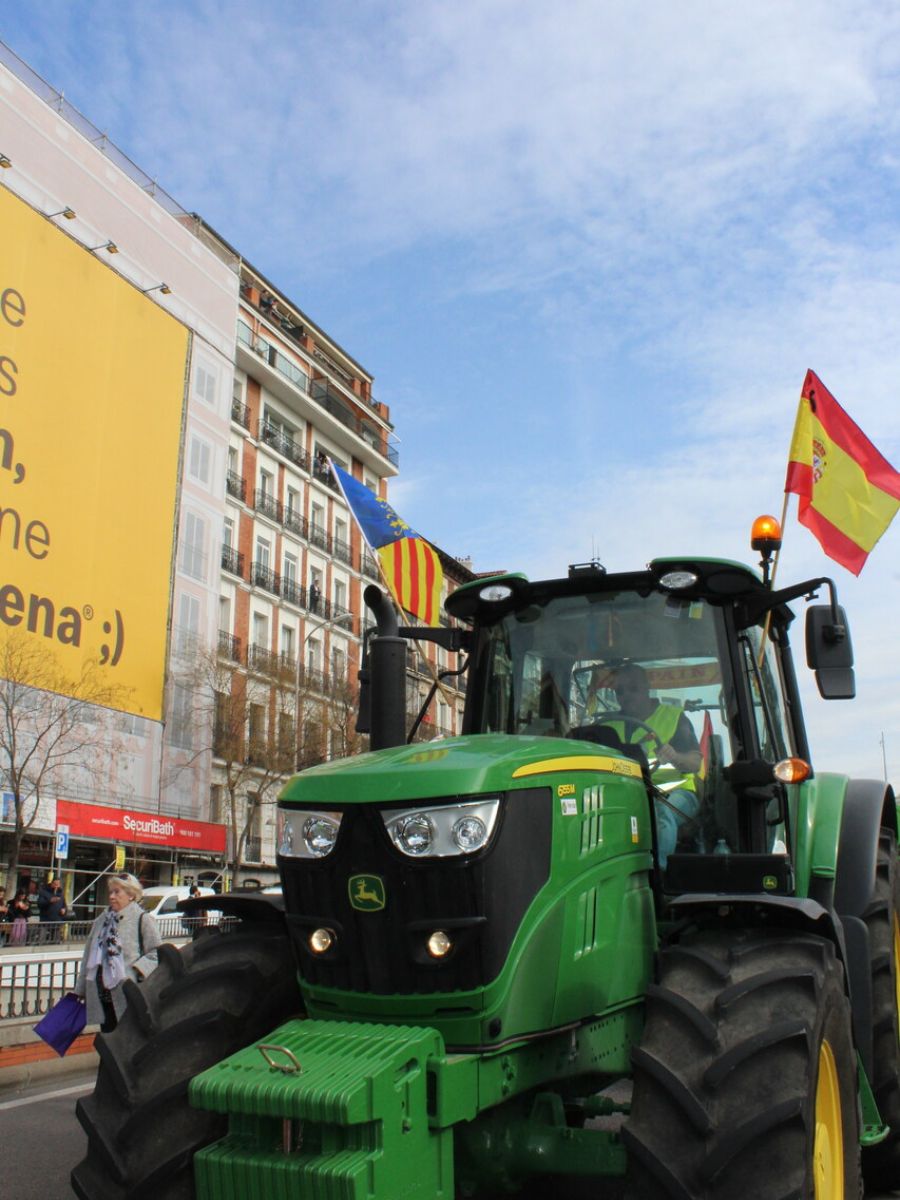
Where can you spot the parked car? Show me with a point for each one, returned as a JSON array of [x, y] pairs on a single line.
[[165, 902]]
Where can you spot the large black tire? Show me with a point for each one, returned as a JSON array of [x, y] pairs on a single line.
[[881, 1163], [730, 1068], [200, 1005]]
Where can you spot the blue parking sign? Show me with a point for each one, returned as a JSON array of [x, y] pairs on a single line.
[[62, 842]]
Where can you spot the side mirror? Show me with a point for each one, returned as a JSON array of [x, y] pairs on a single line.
[[829, 651]]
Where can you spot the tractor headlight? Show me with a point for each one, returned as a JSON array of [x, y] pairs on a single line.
[[440, 831], [413, 834], [305, 834]]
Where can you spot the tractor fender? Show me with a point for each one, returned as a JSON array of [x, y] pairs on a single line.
[[790, 912], [868, 808], [246, 906]]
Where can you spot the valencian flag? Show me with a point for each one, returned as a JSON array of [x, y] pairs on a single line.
[[848, 492], [411, 567]]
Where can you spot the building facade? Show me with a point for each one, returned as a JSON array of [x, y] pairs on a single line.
[[265, 618]]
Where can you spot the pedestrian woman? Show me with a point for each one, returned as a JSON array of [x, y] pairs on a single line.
[[121, 945], [19, 912]]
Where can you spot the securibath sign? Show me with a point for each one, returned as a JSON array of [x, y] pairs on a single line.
[[97, 822], [92, 391]]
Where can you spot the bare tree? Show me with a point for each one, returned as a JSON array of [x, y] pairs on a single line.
[[261, 723], [48, 727]]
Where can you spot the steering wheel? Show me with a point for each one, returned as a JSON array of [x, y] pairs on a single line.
[[635, 723]]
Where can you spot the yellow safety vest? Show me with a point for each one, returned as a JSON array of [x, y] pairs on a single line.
[[663, 721]]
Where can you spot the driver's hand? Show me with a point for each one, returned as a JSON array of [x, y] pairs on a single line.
[[666, 754]]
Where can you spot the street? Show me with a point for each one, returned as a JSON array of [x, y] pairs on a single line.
[[42, 1139]]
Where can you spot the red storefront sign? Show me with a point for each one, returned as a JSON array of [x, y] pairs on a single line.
[[100, 823]]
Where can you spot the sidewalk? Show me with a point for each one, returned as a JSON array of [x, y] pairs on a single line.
[[24, 1057]]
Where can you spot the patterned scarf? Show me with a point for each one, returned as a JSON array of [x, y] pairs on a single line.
[[112, 966]]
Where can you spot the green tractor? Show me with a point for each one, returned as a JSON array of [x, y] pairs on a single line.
[[647, 952]]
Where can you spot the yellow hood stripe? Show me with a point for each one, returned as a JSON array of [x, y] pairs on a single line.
[[580, 762]]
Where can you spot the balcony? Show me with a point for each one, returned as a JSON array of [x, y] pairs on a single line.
[[369, 566], [233, 561], [283, 444], [322, 472], [327, 396], [340, 550], [341, 616], [262, 660], [313, 679], [267, 505], [293, 593], [236, 486], [295, 522], [264, 577], [318, 537], [240, 413], [229, 646]]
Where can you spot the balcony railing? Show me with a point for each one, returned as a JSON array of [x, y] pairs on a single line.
[[328, 397], [369, 566], [266, 578], [267, 505], [322, 472], [318, 537], [283, 444], [293, 592], [235, 485], [261, 659], [232, 560], [229, 646], [295, 522], [341, 550], [341, 616], [240, 413]]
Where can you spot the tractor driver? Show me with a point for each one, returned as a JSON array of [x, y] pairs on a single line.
[[668, 737]]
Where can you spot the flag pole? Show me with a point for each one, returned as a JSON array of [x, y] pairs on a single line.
[[441, 687], [768, 621]]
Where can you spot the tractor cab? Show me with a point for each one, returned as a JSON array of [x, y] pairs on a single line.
[[718, 729]]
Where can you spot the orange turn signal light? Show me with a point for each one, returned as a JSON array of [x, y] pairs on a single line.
[[765, 534], [792, 770]]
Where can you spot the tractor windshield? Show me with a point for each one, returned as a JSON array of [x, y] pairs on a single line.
[[553, 669]]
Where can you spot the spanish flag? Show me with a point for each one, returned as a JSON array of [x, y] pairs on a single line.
[[848, 492], [410, 565]]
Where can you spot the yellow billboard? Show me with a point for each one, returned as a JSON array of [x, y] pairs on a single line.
[[92, 394]]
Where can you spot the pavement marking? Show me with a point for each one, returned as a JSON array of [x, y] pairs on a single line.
[[69, 1091]]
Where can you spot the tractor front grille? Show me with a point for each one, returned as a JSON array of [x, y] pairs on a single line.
[[478, 900]]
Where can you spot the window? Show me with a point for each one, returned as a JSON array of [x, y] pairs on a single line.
[[313, 651], [228, 533], [180, 726], [216, 804], [340, 530], [290, 568], [234, 461], [288, 634], [292, 502], [256, 747], [338, 662], [261, 631], [225, 614], [340, 593], [253, 844], [188, 623], [263, 552], [193, 546], [267, 483], [372, 484], [200, 460], [206, 381]]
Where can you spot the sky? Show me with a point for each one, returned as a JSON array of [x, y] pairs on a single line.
[[588, 251]]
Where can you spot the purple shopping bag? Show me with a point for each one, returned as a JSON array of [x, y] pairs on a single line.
[[63, 1023]]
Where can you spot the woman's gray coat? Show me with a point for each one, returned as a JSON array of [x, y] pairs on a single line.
[[138, 955]]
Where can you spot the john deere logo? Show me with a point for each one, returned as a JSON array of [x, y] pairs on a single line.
[[770, 882], [366, 892]]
